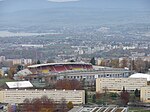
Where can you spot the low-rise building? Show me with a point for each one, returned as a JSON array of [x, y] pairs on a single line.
[[17, 96], [117, 84], [27, 61], [145, 94], [1, 73], [15, 61], [2, 58]]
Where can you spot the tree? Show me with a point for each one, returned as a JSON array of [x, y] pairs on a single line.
[[10, 108], [123, 90], [115, 63], [86, 97], [124, 63], [63, 105], [92, 61], [38, 62], [69, 105], [11, 72], [139, 65], [1, 73], [27, 105], [94, 98], [105, 95], [137, 93], [124, 97], [113, 95], [46, 110], [42, 104], [98, 95], [44, 99], [26, 101], [72, 61], [19, 67], [68, 84], [148, 82], [37, 104]]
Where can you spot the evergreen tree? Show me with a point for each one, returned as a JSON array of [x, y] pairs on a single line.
[[19, 67], [92, 61], [94, 98], [86, 97], [137, 93], [72, 61], [38, 62]]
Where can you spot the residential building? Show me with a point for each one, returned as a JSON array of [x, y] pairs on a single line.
[[145, 94], [15, 61], [117, 84], [17, 96], [27, 61], [1, 73], [2, 58]]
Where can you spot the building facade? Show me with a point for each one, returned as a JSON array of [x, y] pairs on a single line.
[[27, 61], [12, 96], [15, 61], [117, 84], [88, 77], [145, 94], [2, 58]]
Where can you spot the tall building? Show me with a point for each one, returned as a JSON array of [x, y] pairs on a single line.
[[117, 84]]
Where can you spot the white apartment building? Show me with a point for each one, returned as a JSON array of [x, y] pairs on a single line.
[[117, 84], [27, 61], [2, 58], [15, 61], [12, 96], [145, 94]]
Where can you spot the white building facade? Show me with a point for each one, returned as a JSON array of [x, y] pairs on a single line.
[[12, 96], [117, 84], [145, 94]]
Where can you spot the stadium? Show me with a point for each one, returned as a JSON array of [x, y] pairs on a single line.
[[59, 67], [47, 74]]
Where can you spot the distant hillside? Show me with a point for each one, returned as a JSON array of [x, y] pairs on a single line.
[[83, 12]]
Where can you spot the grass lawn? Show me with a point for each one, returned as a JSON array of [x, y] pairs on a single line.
[[3, 80]]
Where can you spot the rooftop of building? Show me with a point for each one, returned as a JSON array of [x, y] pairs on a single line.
[[63, 63], [141, 75]]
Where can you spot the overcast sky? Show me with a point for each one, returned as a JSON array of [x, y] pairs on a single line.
[[15, 5]]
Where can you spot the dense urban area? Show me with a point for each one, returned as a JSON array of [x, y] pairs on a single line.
[[124, 48], [65, 56]]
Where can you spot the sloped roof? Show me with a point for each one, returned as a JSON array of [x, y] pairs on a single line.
[[24, 72], [64, 63], [19, 84], [141, 75]]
